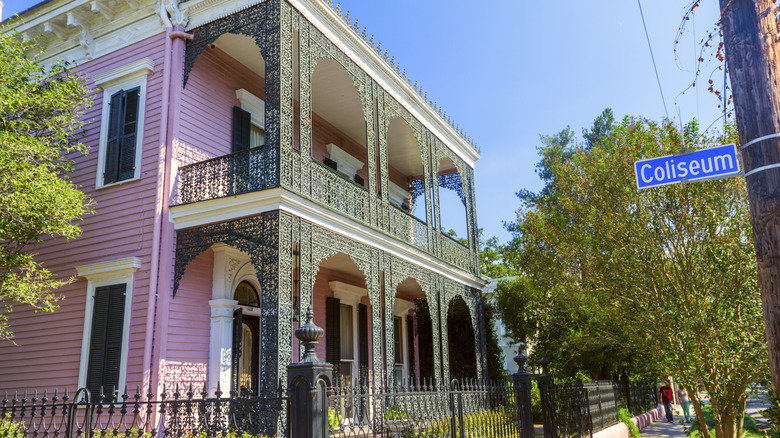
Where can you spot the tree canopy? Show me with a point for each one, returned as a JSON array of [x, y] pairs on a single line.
[[40, 120], [661, 282]]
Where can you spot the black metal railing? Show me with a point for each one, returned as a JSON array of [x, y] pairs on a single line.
[[228, 175], [643, 397], [579, 409], [186, 414], [604, 402], [471, 409]]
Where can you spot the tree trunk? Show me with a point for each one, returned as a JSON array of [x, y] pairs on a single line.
[[703, 430], [750, 38]]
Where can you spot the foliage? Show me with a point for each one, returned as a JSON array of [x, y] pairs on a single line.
[[40, 119], [395, 413], [625, 417], [536, 402], [750, 430], [334, 419], [11, 429], [460, 341], [495, 355], [772, 413], [661, 280]]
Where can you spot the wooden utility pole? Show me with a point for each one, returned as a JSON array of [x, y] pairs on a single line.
[[751, 42]]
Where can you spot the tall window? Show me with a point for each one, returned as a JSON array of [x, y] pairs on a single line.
[[122, 136], [122, 121], [246, 341], [399, 352], [105, 344]]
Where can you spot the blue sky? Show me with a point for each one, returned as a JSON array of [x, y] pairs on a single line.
[[507, 71]]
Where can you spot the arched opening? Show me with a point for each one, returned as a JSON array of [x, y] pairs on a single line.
[[338, 122], [246, 340], [405, 169], [340, 292], [424, 331], [460, 341], [406, 352], [452, 202]]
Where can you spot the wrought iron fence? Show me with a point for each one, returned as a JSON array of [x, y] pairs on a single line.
[[604, 402], [473, 409], [178, 414], [643, 397], [578, 409], [566, 411]]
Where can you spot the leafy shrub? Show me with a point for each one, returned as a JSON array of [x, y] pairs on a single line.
[[625, 417], [11, 429]]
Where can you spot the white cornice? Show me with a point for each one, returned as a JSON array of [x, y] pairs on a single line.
[[250, 204], [113, 267], [347, 293], [141, 67]]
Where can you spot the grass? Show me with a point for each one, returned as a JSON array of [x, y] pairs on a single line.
[[749, 430]]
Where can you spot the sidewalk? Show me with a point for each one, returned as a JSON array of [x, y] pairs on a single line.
[[660, 428]]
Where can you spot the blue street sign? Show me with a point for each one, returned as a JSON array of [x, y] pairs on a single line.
[[718, 162]]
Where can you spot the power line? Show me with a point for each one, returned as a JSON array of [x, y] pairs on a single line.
[[657, 78]]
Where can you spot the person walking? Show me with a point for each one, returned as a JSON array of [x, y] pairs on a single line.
[[667, 395], [685, 401]]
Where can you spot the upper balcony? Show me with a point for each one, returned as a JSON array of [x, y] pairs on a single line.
[[314, 122]]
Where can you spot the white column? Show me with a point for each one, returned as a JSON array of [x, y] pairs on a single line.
[[221, 345]]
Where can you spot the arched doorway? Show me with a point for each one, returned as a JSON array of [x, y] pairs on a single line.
[[460, 341], [246, 340]]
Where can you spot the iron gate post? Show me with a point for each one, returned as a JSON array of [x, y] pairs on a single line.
[[307, 386], [545, 382], [521, 381]]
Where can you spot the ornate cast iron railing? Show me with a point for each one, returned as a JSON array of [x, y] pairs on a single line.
[[176, 414], [408, 228], [566, 407], [454, 252], [242, 172], [331, 188], [474, 409], [257, 169]]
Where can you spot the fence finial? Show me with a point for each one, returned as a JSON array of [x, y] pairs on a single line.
[[309, 334], [521, 357]]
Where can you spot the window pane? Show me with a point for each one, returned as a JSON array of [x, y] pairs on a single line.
[[397, 340], [347, 334], [246, 356], [256, 136]]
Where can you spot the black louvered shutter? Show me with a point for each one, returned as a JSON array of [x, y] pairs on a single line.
[[333, 336], [242, 123], [238, 332], [112, 142], [129, 134], [363, 342], [105, 347], [410, 343]]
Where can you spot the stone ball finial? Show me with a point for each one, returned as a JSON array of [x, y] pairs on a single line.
[[309, 334]]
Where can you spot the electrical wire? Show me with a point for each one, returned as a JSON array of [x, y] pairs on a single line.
[[657, 78]]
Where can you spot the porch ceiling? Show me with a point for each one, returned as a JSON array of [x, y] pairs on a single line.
[[244, 50], [336, 99]]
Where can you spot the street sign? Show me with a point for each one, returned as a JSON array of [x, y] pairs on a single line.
[[702, 164]]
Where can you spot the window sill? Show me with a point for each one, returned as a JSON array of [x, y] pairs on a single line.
[[118, 183]]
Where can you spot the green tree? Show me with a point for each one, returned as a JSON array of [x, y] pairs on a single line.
[[671, 270], [40, 119]]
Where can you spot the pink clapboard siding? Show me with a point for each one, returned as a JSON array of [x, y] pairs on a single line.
[[206, 127], [189, 324], [121, 227]]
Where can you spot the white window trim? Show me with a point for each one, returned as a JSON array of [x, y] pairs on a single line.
[[254, 105], [119, 271], [127, 76]]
